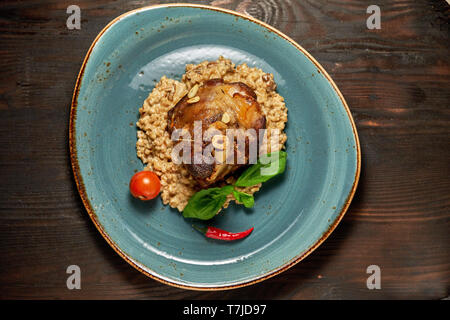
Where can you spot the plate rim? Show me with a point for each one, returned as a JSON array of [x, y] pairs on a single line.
[[91, 212]]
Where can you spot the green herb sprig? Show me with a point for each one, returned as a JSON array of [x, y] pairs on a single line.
[[206, 203]]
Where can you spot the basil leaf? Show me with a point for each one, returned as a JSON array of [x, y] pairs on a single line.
[[267, 167], [206, 203], [246, 199]]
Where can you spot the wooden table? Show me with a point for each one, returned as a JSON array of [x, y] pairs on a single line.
[[396, 82]]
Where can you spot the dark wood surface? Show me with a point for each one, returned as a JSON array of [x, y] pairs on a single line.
[[396, 82]]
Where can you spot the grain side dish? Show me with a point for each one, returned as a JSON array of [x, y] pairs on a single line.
[[154, 145]]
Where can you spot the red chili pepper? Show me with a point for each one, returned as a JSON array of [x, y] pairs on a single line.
[[216, 233]]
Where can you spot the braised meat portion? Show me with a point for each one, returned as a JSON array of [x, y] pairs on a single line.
[[219, 106]]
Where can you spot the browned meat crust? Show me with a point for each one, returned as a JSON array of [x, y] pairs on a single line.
[[221, 106]]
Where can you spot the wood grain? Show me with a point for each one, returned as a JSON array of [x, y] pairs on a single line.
[[395, 80]]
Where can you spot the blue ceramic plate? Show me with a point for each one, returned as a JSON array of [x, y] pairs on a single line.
[[294, 213]]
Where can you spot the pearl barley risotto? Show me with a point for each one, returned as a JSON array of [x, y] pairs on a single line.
[[154, 146]]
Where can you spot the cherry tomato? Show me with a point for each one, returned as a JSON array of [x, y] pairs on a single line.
[[145, 185]]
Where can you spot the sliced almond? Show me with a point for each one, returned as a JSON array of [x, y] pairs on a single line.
[[226, 118], [194, 99], [193, 92]]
